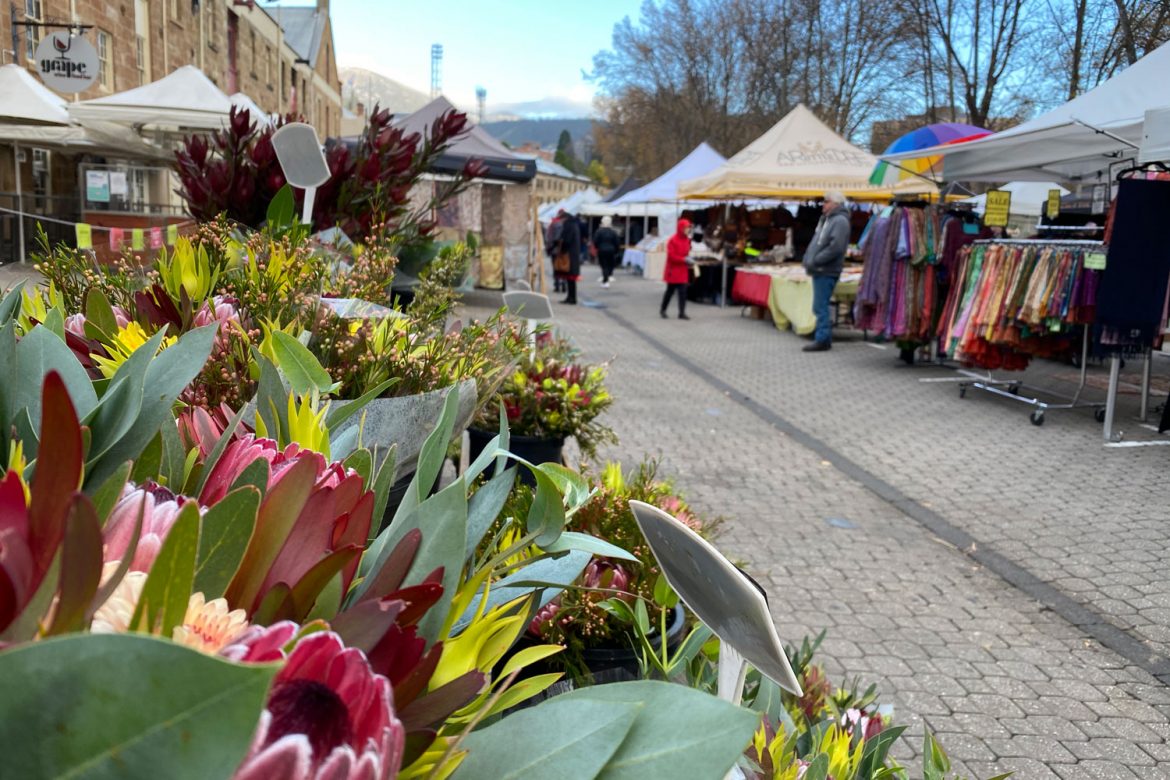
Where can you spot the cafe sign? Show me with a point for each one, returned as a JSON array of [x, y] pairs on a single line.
[[67, 63]]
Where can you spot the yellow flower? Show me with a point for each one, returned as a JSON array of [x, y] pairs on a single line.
[[125, 342]]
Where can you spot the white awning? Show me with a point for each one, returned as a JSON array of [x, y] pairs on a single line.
[[1077, 140], [185, 98], [25, 100]]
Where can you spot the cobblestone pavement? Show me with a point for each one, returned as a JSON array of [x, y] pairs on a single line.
[[1003, 583]]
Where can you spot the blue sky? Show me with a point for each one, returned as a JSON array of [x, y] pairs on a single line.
[[517, 49]]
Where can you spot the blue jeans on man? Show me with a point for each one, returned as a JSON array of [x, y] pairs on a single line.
[[823, 287]]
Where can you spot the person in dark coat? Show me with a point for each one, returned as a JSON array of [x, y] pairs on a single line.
[[552, 242], [570, 244], [677, 274], [824, 260], [607, 244]]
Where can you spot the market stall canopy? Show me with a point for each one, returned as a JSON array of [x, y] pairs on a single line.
[[476, 144], [104, 138], [184, 98], [572, 204], [24, 100], [701, 161], [1077, 140], [799, 157], [628, 184], [244, 103], [1028, 197]]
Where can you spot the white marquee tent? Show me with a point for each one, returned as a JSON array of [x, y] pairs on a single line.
[[799, 157], [184, 98], [24, 100], [1077, 140]]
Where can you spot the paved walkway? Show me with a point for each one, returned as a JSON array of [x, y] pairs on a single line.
[[1003, 582]]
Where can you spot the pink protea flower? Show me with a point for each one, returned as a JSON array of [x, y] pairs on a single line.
[[855, 721], [75, 324], [333, 518], [603, 574], [159, 507], [218, 309], [328, 716], [544, 615], [261, 644], [240, 454]]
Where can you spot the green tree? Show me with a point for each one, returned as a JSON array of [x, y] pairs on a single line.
[[596, 171], [565, 155]]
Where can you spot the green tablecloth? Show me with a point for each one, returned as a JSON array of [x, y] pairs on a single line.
[[790, 301]]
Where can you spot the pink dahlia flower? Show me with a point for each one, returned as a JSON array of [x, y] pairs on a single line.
[[328, 716]]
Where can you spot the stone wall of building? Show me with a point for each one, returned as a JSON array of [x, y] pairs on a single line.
[[240, 48]]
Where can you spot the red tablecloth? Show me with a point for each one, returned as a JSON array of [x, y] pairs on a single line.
[[751, 288]]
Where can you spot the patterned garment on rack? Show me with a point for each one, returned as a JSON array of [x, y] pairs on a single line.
[[1013, 301]]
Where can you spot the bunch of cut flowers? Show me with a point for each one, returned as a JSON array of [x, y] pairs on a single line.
[[553, 396]]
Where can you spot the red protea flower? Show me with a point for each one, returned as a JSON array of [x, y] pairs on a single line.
[[328, 716]]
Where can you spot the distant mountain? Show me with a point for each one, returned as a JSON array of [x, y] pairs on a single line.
[[544, 132], [545, 108], [372, 89]]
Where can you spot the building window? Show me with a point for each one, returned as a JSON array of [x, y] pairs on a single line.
[[140, 58], [33, 12], [42, 182], [268, 66], [105, 63], [253, 53]]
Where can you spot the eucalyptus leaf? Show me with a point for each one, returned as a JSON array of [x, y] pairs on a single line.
[[100, 313], [163, 603], [226, 528], [107, 494], [546, 516], [38, 353], [125, 705], [485, 506], [575, 737], [11, 304], [680, 732], [300, 366], [572, 540], [55, 322], [553, 574], [166, 377]]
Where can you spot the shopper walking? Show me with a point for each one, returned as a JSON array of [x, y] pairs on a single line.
[[824, 260], [552, 244], [677, 274], [570, 245], [607, 244]]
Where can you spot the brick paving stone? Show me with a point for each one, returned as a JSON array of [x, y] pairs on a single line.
[[945, 637]]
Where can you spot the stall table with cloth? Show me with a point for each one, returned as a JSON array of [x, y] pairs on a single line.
[[787, 292], [707, 279]]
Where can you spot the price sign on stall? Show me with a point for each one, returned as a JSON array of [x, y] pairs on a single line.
[[999, 206], [1053, 204]]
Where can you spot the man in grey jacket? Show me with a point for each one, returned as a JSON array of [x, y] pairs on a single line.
[[824, 260]]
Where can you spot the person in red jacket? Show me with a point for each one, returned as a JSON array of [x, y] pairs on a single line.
[[677, 274]]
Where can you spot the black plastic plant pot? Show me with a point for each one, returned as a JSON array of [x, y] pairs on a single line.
[[534, 449]]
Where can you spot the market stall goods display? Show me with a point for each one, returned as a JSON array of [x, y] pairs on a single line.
[[790, 293], [1015, 300], [910, 254]]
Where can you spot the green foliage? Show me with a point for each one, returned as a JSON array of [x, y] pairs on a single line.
[[662, 732], [96, 706]]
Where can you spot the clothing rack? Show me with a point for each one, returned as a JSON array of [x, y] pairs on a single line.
[[1010, 388]]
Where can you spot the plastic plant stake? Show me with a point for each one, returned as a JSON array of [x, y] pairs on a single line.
[[299, 152], [721, 596]]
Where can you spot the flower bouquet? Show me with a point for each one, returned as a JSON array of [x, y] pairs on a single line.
[[547, 398]]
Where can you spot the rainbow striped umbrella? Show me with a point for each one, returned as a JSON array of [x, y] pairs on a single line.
[[942, 134]]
